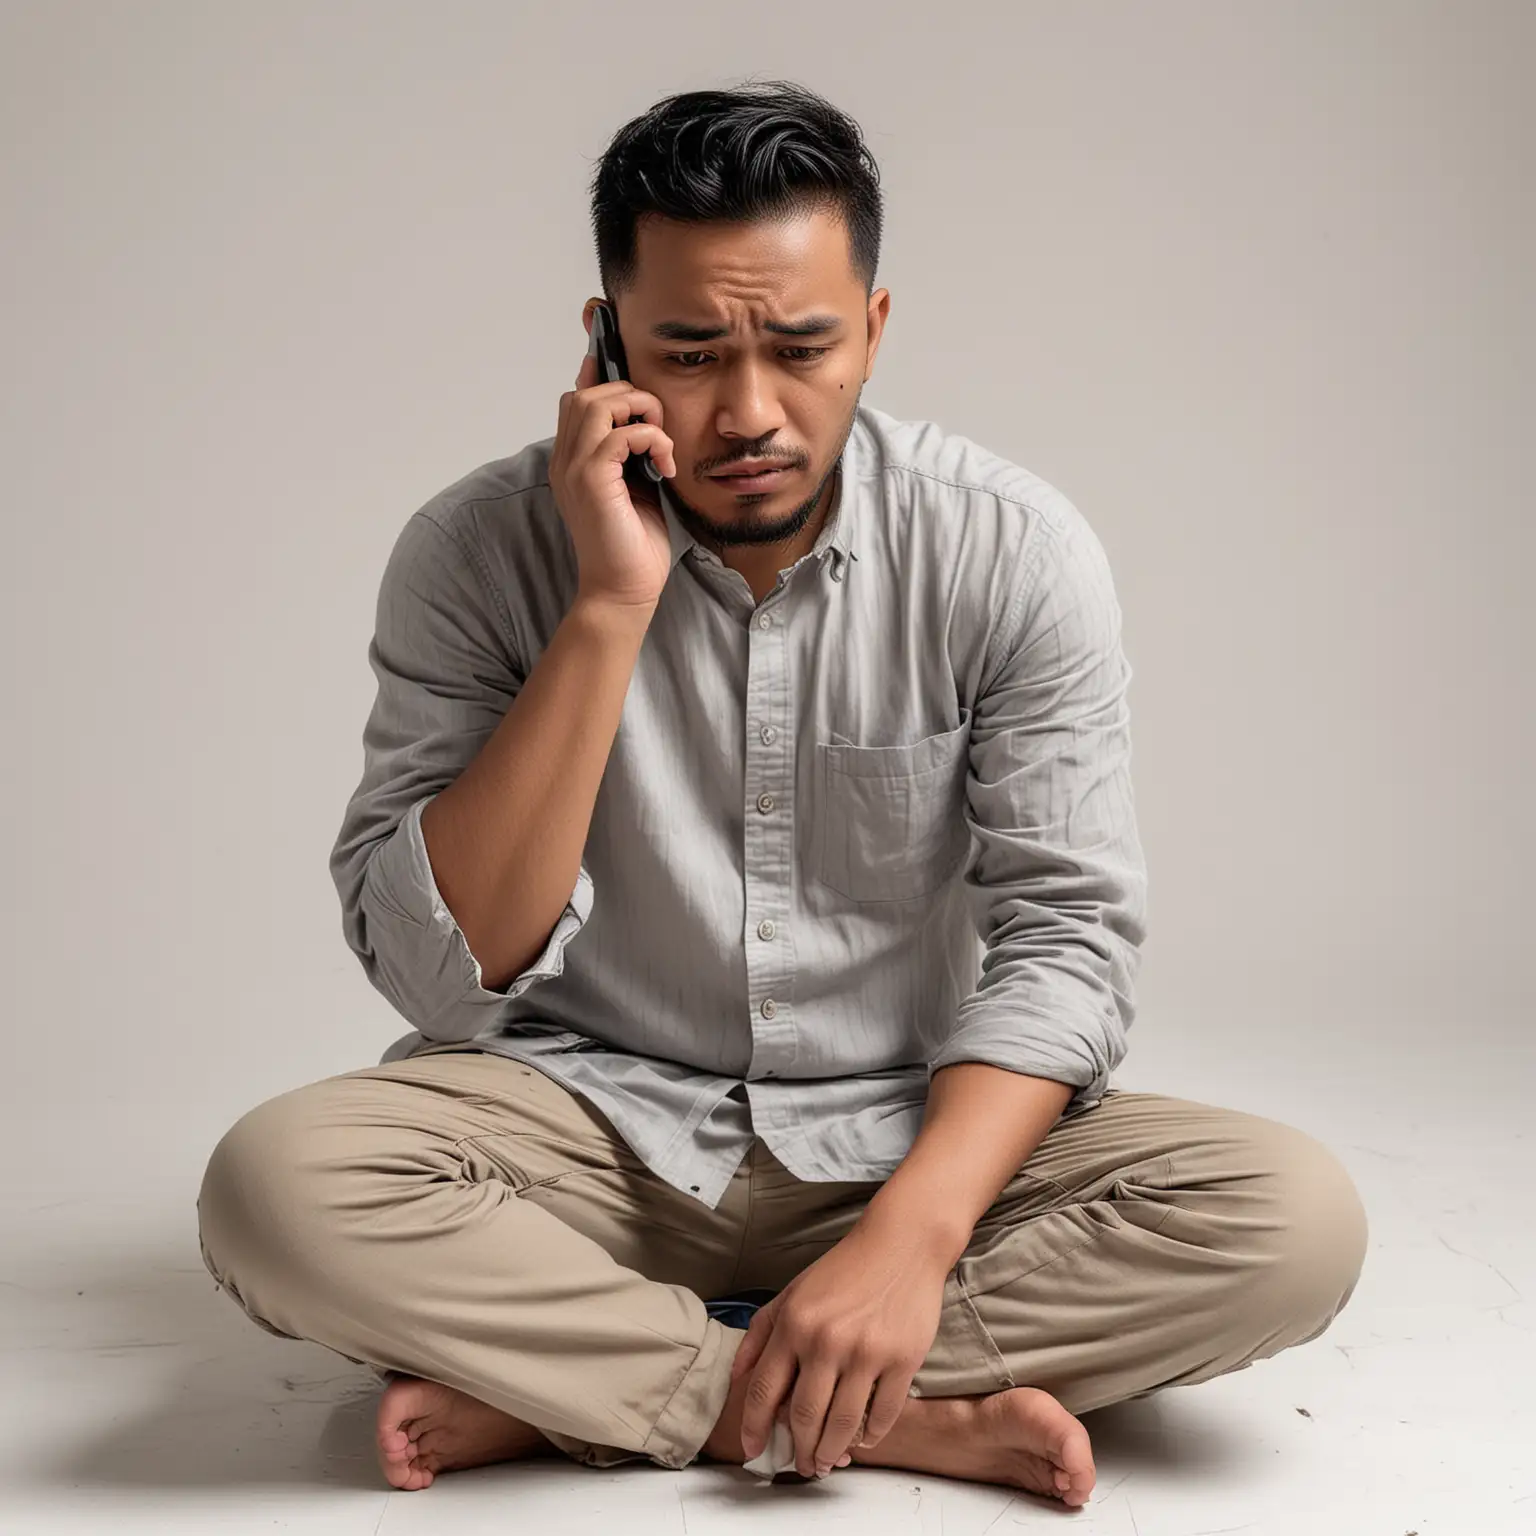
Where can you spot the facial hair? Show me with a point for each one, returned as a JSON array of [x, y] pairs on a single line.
[[748, 526]]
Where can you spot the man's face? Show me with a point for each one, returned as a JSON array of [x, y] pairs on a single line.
[[749, 392]]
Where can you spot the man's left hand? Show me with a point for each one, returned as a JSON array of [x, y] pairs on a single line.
[[858, 1321]]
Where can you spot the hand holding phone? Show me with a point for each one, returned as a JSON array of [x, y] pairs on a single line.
[[640, 469], [604, 472]]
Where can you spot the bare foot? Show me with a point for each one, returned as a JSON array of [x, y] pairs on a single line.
[[1022, 1437], [425, 1428]]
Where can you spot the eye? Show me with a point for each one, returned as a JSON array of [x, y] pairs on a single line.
[[810, 356]]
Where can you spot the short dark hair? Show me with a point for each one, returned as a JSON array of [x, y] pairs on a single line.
[[760, 152]]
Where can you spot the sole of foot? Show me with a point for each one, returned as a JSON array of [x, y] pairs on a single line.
[[1021, 1438], [1035, 1444]]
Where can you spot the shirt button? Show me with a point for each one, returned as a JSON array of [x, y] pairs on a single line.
[[765, 929], [765, 803], [769, 1008], [769, 734], [765, 621]]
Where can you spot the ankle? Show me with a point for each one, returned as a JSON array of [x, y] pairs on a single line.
[[923, 1421], [724, 1442]]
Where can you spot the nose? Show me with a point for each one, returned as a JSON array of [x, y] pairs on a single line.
[[748, 406]]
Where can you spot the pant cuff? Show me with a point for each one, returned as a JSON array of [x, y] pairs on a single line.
[[690, 1413], [694, 1409]]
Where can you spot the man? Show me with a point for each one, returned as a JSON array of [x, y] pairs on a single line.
[[756, 864]]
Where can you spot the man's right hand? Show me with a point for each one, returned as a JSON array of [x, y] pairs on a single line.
[[623, 553]]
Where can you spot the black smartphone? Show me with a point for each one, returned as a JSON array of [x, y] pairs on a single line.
[[640, 471]]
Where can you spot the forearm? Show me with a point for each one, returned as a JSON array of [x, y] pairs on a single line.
[[980, 1126], [505, 839]]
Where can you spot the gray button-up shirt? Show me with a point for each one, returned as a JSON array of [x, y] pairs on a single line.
[[880, 822]]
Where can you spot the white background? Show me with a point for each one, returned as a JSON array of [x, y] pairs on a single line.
[[1251, 283]]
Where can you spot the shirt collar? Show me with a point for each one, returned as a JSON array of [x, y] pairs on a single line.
[[836, 532]]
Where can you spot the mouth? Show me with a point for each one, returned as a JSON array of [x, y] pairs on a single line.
[[764, 480]]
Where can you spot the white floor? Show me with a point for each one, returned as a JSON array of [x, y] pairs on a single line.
[[138, 1399]]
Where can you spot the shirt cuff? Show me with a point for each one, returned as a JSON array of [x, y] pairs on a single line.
[[435, 969], [1080, 1055]]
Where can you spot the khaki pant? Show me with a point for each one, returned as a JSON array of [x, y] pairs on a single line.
[[462, 1217]]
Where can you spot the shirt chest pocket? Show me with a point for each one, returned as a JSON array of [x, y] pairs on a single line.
[[890, 820]]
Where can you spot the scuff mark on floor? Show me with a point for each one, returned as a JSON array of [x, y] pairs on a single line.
[[1462, 1254], [1003, 1511]]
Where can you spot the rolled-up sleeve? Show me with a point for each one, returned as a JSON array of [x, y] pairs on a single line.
[[1057, 880], [447, 671]]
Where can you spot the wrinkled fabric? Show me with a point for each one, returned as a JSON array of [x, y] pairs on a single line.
[[877, 823], [466, 1219]]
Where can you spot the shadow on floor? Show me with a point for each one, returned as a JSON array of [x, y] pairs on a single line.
[[215, 1401]]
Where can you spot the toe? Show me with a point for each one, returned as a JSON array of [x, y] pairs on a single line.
[[418, 1474], [1080, 1485], [1074, 1475], [394, 1456], [1077, 1452]]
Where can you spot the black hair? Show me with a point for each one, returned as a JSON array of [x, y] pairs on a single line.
[[760, 152]]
